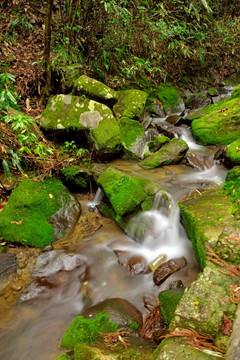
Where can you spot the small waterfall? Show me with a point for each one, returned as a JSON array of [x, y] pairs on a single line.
[[96, 201]]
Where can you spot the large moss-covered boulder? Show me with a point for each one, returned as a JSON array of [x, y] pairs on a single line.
[[37, 213], [130, 103], [204, 304], [231, 187], [171, 153], [132, 137], [125, 193], [179, 349], [205, 216], [169, 97], [66, 112], [233, 152], [93, 89], [218, 123]]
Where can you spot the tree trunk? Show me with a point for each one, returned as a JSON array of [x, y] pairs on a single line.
[[47, 50]]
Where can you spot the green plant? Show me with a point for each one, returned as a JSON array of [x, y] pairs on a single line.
[[69, 146], [8, 98]]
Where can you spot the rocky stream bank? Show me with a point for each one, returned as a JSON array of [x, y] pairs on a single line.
[[120, 264]]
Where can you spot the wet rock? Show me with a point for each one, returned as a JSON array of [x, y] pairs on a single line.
[[174, 119], [132, 137], [133, 264], [37, 213], [199, 161], [157, 143], [176, 284], [171, 153], [150, 302], [197, 100], [168, 268], [200, 309], [97, 169], [157, 106], [167, 129], [8, 266], [146, 119], [220, 153], [120, 311], [205, 216]]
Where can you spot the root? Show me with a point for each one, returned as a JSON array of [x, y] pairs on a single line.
[[232, 270], [149, 324], [118, 338], [198, 340]]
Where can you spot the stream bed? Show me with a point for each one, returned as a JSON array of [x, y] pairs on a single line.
[[85, 267]]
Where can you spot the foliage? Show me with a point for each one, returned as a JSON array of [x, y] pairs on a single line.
[[8, 98]]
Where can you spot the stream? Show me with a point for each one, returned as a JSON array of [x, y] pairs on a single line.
[[87, 267]]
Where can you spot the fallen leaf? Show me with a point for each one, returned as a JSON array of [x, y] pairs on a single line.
[[226, 325], [51, 196], [17, 222]]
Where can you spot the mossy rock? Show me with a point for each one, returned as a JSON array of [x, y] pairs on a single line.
[[132, 136], [217, 124], [125, 193], [204, 304], [69, 74], [84, 330], [158, 142], [83, 352], [131, 103], [228, 244], [236, 92], [231, 187], [168, 95], [93, 89], [169, 300], [179, 349], [66, 112], [37, 213], [75, 178], [233, 152], [171, 153], [204, 218]]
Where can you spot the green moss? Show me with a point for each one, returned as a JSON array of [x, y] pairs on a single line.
[[169, 300], [204, 221], [129, 355], [131, 130], [106, 137], [31, 204], [134, 326], [73, 112], [73, 177], [130, 103], [147, 204], [63, 357], [217, 123], [87, 330], [83, 352], [125, 193], [236, 92], [213, 92], [233, 152], [155, 144], [93, 89], [232, 187], [168, 95], [171, 153], [233, 174]]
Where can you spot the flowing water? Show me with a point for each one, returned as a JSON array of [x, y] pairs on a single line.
[[87, 267]]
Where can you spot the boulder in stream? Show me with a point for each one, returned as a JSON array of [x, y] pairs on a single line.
[[130, 104], [171, 153], [232, 155], [37, 213], [168, 268], [217, 124], [205, 217]]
